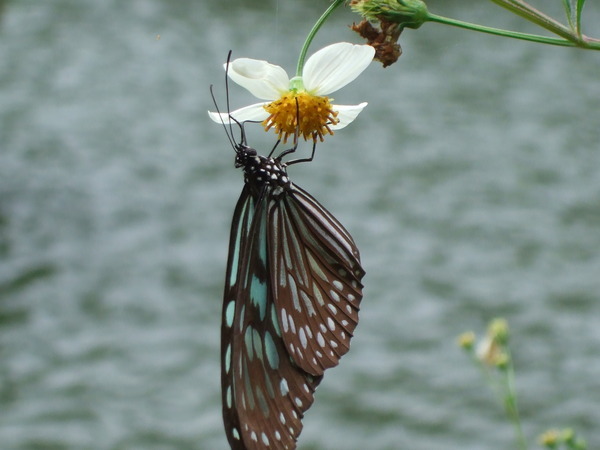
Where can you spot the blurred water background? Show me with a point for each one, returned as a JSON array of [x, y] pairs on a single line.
[[471, 184]]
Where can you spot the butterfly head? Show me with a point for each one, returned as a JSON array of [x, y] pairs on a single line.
[[244, 155]]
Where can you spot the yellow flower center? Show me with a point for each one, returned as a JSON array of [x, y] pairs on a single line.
[[300, 113]]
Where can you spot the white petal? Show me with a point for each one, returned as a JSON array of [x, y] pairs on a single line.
[[335, 66], [264, 80], [346, 114], [254, 112]]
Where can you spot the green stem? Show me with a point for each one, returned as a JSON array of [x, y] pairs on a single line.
[[585, 42], [533, 15], [503, 385], [512, 408], [312, 34]]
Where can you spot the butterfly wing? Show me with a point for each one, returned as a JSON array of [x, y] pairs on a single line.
[[316, 278], [265, 394]]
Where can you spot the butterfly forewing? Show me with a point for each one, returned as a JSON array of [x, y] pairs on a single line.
[[316, 273]]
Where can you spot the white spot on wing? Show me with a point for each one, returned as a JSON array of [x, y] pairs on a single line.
[[320, 340], [284, 321], [308, 303], [302, 337], [318, 295], [308, 331], [294, 291], [228, 358], [331, 323], [229, 313]]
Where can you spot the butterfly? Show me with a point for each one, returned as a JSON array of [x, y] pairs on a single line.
[[291, 300]]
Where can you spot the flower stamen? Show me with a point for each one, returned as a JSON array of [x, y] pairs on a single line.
[[316, 116]]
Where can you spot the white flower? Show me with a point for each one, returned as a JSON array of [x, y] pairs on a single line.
[[305, 97]]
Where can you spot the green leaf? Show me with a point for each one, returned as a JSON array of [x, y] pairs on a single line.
[[568, 10], [573, 9], [579, 10]]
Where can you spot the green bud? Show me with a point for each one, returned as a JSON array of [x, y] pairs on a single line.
[[502, 361], [568, 435], [572, 441], [297, 84], [466, 340], [549, 439], [406, 13], [498, 331]]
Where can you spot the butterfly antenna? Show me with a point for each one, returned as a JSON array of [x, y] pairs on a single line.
[[243, 133], [231, 118], [212, 94]]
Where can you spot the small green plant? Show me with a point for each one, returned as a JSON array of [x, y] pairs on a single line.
[[562, 439], [492, 355]]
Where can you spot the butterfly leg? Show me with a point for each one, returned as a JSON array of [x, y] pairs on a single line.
[[293, 149], [288, 151], [312, 155], [274, 147]]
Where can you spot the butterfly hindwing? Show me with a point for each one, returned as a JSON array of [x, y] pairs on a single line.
[[232, 306]]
